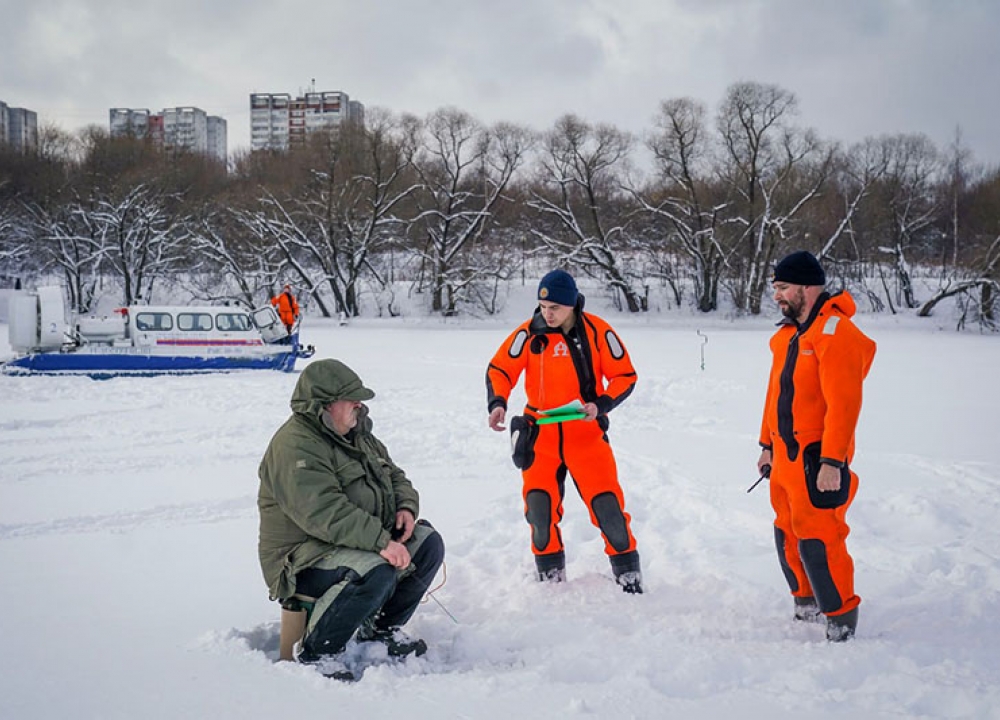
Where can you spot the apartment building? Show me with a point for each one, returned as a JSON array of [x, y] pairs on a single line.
[[180, 128], [278, 121], [18, 127], [130, 122]]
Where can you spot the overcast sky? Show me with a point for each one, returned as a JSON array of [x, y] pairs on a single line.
[[858, 67]]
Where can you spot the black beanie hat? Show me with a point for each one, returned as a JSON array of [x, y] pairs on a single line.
[[800, 268], [558, 287]]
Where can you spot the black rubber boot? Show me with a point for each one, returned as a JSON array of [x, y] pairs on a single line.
[[806, 610], [840, 628], [552, 567], [628, 573], [397, 643]]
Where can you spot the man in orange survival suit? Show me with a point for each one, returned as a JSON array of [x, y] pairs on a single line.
[[812, 407], [566, 355], [288, 307]]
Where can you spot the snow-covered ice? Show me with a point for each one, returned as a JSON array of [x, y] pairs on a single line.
[[128, 527]]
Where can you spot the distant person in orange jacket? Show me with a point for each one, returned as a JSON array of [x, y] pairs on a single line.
[[288, 307], [813, 402], [566, 355]]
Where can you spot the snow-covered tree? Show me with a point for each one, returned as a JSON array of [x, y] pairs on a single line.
[[327, 232], [142, 238], [683, 199], [984, 278], [15, 241], [773, 169], [464, 169], [582, 202], [907, 199], [71, 243], [226, 256]]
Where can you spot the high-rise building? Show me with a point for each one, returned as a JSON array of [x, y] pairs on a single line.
[[277, 121], [180, 128], [217, 137], [18, 127], [129, 122]]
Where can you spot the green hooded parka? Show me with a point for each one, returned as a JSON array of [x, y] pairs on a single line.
[[320, 491]]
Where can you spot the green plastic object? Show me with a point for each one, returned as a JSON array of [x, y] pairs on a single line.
[[565, 417]]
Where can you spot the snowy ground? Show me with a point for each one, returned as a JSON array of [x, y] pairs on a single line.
[[131, 587]]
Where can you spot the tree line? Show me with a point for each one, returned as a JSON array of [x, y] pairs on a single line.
[[692, 212]]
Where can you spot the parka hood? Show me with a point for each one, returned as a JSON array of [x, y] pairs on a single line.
[[843, 302], [326, 381]]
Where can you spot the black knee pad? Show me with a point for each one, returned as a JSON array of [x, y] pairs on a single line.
[[813, 553], [786, 569], [611, 520], [539, 516]]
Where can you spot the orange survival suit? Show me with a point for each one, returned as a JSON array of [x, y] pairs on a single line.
[[812, 408], [588, 364], [288, 307]]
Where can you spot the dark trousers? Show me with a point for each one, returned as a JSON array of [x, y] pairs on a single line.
[[378, 595]]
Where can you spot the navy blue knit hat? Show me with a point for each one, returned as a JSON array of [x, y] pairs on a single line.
[[800, 268], [558, 287]]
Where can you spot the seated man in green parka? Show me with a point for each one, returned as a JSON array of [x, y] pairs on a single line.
[[338, 521]]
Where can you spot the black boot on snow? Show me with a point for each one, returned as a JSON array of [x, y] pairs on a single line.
[[551, 568], [343, 674], [806, 610], [330, 666], [840, 628], [397, 643], [627, 572], [630, 582]]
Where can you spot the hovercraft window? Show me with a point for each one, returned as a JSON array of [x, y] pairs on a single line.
[[153, 322], [232, 322], [201, 322]]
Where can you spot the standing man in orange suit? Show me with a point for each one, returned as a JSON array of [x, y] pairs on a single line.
[[813, 402], [288, 307], [566, 355]]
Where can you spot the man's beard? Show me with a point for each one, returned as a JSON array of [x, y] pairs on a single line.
[[793, 306]]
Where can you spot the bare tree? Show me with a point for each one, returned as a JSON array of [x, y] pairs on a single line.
[[227, 256], [299, 241], [15, 241], [366, 199], [961, 173], [142, 238], [858, 170], [72, 243], [775, 170], [683, 196], [582, 177], [326, 235], [907, 197], [985, 278], [464, 169]]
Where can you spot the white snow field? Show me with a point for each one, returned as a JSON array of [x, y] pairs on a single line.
[[128, 526]]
